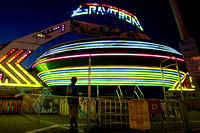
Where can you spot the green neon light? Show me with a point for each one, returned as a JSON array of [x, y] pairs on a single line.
[[108, 84], [107, 74]]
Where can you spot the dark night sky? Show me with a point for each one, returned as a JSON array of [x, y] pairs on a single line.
[[19, 17]]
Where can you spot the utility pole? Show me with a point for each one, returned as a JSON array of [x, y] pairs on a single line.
[[188, 46], [89, 94], [189, 50]]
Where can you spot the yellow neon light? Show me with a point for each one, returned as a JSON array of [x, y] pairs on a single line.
[[19, 85], [27, 74], [121, 74], [120, 66], [12, 76], [85, 77], [110, 82], [22, 77]]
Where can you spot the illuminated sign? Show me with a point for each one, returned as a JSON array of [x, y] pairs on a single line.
[[103, 9]]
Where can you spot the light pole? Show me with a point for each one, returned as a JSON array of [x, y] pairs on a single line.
[[89, 93]]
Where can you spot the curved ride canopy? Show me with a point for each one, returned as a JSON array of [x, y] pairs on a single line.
[[119, 57], [115, 61]]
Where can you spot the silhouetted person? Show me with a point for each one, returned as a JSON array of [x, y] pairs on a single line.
[[72, 90]]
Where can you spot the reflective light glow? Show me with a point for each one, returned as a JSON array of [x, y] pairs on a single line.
[[111, 75], [103, 9], [109, 44], [105, 54]]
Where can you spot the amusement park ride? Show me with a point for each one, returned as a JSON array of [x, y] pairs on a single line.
[[119, 57]]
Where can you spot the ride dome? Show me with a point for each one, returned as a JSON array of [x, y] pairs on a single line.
[[118, 58]]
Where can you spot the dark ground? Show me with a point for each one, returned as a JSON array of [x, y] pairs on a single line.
[[16, 123]]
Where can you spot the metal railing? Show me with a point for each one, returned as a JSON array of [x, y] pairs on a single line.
[[111, 114], [140, 92], [55, 110]]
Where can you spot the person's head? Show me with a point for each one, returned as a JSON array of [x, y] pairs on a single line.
[[73, 80]]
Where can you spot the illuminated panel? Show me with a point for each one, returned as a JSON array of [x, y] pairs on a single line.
[[105, 54], [103, 9], [111, 75], [24, 71], [110, 44], [11, 67]]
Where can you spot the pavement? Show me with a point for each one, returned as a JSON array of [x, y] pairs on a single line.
[[16, 123]]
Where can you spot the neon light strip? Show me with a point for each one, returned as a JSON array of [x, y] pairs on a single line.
[[18, 85], [10, 74], [106, 84], [30, 76], [109, 44], [103, 75], [115, 68], [23, 57], [108, 74], [118, 79], [11, 67], [7, 55], [24, 71], [15, 56], [1, 77], [105, 54], [65, 83]]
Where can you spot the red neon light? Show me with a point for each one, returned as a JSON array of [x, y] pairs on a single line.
[[23, 57], [15, 56], [92, 4], [130, 13], [8, 54], [115, 8], [106, 54], [120, 9], [105, 5], [96, 4]]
